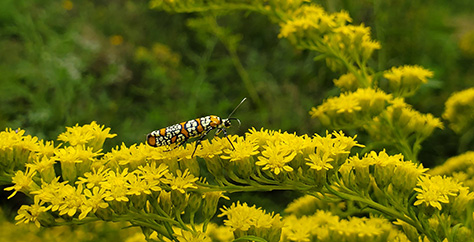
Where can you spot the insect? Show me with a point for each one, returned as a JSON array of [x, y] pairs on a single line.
[[200, 127]]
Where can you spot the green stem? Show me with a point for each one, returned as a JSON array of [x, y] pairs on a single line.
[[180, 220], [352, 196]]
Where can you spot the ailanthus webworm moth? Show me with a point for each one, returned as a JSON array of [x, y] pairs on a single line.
[[199, 127]]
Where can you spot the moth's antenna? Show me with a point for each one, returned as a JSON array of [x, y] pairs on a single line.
[[235, 119], [233, 111]]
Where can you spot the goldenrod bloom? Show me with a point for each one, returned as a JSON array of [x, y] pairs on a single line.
[[245, 220], [460, 167], [93, 178], [352, 109], [116, 185], [309, 228], [405, 80], [459, 110], [181, 181], [23, 182], [15, 149], [31, 213], [92, 135], [191, 236], [276, 158], [243, 149], [434, 190], [94, 200], [347, 82], [319, 161], [44, 165]]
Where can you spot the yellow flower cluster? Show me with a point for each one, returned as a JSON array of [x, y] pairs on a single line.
[[404, 81], [380, 171], [15, 148], [400, 122], [435, 190], [90, 135], [347, 82], [459, 109], [244, 221], [324, 226], [153, 187], [387, 119], [460, 167], [311, 27], [352, 109], [94, 185]]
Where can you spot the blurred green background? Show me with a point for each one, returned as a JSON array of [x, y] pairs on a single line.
[[136, 70]]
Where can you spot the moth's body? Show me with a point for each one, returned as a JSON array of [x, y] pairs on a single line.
[[181, 132]]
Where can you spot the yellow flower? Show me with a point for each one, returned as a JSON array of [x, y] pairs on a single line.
[[219, 233], [352, 109], [44, 165], [130, 157], [75, 160], [51, 192], [46, 148], [150, 172], [210, 150], [23, 182], [76, 135], [191, 236], [459, 109], [305, 205], [62, 197], [308, 20], [15, 149], [365, 229], [347, 82], [260, 137], [335, 146], [298, 229], [434, 190], [294, 143], [400, 120], [243, 149], [244, 220], [460, 167], [182, 180], [72, 200], [31, 213], [93, 178], [309, 228], [319, 162], [405, 80], [92, 135], [137, 185], [276, 158], [94, 200], [115, 184]]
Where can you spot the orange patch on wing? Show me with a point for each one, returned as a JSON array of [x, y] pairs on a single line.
[[151, 140], [215, 121], [163, 131], [173, 139], [184, 131], [199, 128]]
